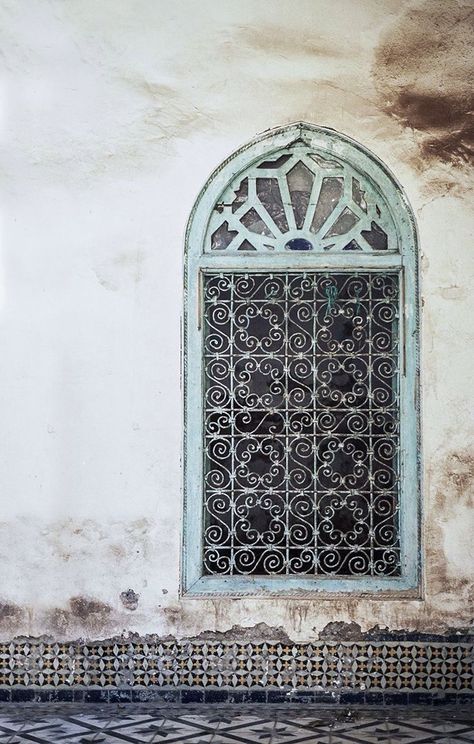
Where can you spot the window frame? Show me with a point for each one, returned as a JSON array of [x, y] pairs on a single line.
[[193, 582]]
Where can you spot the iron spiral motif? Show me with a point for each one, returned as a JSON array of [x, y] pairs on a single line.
[[301, 457]]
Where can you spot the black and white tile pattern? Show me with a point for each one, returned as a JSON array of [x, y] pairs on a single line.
[[230, 725]]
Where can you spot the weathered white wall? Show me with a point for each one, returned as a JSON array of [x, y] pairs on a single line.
[[114, 114]]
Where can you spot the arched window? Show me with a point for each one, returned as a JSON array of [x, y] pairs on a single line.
[[301, 373]]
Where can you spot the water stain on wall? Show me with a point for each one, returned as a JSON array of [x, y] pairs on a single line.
[[287, 42], [88, 614], [73, 540], [452, 292], [423, 72], [123, 269], [298, 613], [453, 486], [84, 608], [12, 616]]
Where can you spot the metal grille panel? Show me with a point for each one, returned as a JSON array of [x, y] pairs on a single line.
[[301, 414]]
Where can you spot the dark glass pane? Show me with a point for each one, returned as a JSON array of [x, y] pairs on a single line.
[[253, 222], [241, 195], [376, 237], [358, 194], [246, 246], [273, 164], [300, 183], [345, 222], [268, 191], [299, 244], [222, 237], [353, 245], [329, 196]]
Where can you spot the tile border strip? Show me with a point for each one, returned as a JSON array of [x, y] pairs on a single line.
[[224, 668], [195, 696]]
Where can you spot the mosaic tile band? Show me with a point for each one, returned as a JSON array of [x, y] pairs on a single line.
[[385, 666]]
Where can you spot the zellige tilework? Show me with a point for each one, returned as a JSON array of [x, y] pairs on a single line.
[[387, 666]]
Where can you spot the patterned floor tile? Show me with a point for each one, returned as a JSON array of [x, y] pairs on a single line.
[[264, 724]]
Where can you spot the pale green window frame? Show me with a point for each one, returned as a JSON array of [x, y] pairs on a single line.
[[398, 222]]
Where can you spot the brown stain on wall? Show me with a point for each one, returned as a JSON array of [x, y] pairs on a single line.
[[12, 616], [118, 552], [86, 614], [286, 42], [73, 540], [423, 72], [298, 613], [453, 485], [85, 608]]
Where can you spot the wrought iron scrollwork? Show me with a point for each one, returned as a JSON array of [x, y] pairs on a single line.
[[301, 423]]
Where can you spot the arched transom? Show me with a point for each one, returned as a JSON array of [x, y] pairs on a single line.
[[301, 199]]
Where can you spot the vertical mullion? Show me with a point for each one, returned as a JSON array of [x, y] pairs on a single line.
[[370, 415], [232, 428], [287, 203], [287, 403], [315, 438], [400, 370], [402, 336], [313, 200]]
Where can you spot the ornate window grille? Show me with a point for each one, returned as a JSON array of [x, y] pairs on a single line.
[[301, 373]]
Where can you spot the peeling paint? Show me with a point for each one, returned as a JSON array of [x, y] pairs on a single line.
[[254, 633], [129, 599], [339, 631]]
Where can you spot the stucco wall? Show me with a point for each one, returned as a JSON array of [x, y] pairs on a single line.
[[114, 114]]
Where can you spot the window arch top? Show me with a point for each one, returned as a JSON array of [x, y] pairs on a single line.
[[303, 196]]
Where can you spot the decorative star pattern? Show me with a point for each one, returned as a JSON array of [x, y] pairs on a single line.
[[145, 724], [376, 666]]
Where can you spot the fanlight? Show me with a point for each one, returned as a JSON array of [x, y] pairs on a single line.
[[301, 200]]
